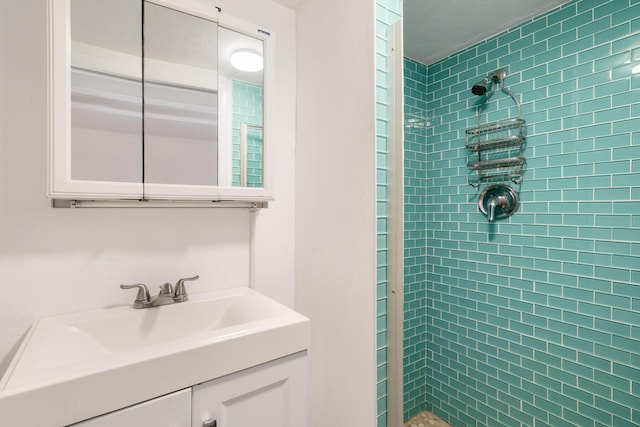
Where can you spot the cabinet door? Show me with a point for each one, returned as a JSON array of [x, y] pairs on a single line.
[[270, 395], [172, 410], [180, 105], [95, 83]]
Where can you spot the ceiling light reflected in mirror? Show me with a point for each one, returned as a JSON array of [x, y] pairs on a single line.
[[247, 60]]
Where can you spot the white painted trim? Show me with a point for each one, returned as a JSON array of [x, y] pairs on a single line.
[[225, 132], [58, 85], [99, 190], [157, 204], [269, 143], [395, 270], [180, 192], [245, 193]]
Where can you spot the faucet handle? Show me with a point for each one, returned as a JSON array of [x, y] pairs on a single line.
[[180, 293], [143, 298]]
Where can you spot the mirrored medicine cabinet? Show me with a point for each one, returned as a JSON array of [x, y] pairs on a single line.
[[150, 100]]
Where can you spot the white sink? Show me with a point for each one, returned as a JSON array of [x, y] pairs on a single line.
[[131, 329], [128, 355]]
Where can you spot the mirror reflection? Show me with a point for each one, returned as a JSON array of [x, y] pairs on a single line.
[[241, 87], [251, 157], [180, 98], [106, 91]]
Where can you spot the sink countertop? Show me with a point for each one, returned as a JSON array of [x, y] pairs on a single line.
[[73, 367]]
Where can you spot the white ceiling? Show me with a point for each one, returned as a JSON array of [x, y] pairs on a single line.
[[434, 29]]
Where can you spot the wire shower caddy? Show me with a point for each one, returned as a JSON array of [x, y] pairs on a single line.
[[495, 149]]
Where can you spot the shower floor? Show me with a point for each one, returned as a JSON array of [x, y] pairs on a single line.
[[425, 419]]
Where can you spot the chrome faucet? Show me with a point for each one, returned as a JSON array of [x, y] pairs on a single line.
[[167, 295]]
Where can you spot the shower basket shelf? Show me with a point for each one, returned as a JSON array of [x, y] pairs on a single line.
[[503, 134], [495, 149], [498, 170], [484, 165]]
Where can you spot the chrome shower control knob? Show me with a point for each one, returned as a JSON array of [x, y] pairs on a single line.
[[498, 201]]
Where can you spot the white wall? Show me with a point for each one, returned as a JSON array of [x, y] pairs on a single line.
[[62, 260], [274, 231], [335, 206]]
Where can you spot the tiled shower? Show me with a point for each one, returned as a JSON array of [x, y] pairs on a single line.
[[415, 223], [533, 320]]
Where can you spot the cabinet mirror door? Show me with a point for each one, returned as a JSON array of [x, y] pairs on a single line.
[[180, 103], [241, 82], [95, 86]]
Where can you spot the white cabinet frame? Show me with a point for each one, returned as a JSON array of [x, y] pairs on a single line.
[[60, 184]]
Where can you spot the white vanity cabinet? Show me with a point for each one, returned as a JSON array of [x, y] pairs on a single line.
[[271, 395], [172, 410]]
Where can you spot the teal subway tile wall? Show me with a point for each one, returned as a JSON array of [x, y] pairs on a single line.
[[387, 13], [535, 320], [416, 122], [247, 112]]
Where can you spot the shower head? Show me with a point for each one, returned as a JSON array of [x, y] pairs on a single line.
[[496, 78], [480, 88]]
